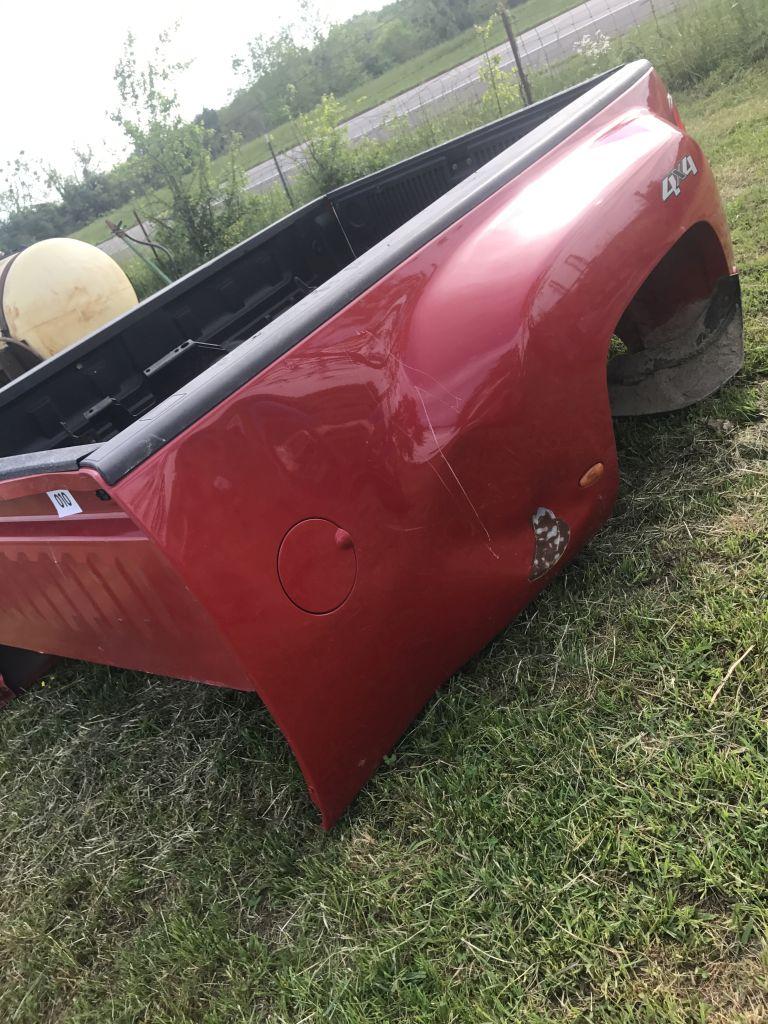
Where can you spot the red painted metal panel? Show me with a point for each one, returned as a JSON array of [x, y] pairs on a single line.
[[93, 586], [430, 421]]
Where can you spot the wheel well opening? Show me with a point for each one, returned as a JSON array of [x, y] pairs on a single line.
[[680, 338], [687, 274]]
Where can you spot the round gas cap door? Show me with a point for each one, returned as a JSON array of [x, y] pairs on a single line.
[[317, 565]]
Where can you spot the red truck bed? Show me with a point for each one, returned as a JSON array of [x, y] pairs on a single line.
[[331, 465]]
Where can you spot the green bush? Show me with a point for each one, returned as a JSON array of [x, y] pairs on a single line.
[[328, 158]]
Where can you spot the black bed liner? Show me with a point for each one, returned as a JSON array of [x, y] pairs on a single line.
[[119, 395]]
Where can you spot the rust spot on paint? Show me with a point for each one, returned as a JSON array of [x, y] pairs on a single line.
[[552, 536], [592, 475]]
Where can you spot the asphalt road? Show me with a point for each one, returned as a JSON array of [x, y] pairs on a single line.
[[547, 43]]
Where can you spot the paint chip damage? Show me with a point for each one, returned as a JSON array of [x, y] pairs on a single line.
[[552, 536]]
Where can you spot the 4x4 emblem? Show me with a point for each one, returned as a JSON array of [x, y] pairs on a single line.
[[671, 184]]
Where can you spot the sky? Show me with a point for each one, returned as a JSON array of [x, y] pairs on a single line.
[[59, 57]]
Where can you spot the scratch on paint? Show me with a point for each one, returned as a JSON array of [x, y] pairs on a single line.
[[54, 559], [410, 438], [455, 477], [445, 485], [456, 403]]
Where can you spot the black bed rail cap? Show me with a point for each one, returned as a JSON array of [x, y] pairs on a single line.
[[59, 460]]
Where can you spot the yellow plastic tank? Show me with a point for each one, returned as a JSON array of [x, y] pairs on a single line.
[[57, 291]]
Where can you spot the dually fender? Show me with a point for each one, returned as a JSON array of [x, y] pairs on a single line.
[[377, 504]]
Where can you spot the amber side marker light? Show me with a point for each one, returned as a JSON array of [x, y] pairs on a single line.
[[592, 475]]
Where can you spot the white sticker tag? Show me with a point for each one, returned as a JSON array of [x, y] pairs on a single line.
[[64, 503]]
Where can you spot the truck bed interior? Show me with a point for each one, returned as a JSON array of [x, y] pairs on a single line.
[[94, 390]]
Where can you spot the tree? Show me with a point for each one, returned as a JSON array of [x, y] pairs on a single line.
[[87, 192], [394, 43], [280, 72], [198, 214], [217, 137], [18, 183]]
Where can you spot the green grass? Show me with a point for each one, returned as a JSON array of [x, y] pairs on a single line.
[[369, 94], [576, 829]]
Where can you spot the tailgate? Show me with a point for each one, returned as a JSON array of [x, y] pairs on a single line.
[[79, 579]]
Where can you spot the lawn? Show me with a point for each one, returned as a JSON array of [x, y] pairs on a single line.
[[369, 94], [576, 829]]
